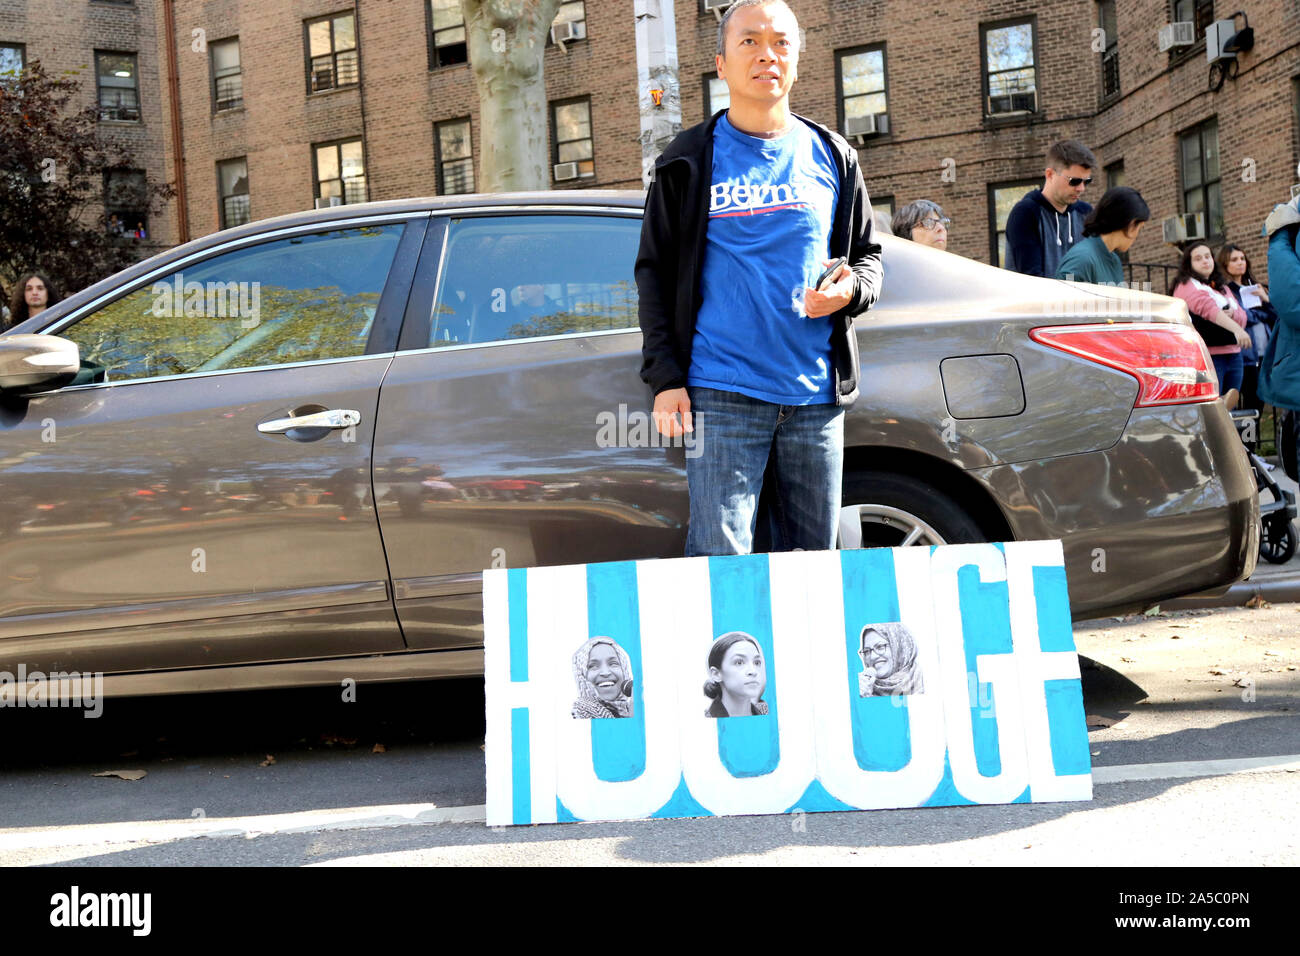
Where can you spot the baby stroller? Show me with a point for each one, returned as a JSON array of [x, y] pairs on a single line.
[[1277, 535]]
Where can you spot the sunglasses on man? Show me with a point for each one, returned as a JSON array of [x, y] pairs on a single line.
[[1075, 181]]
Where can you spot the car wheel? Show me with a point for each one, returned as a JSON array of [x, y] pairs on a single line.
[[885, 510]]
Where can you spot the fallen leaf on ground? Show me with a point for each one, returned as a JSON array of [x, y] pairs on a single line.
[[267, 762], [334, 739], [1242, 682], [1218, 672], [1290, 667], [379, 749], [124, 774], [1127, 660], [1272, 654], [1152, 611], [1258, 601]]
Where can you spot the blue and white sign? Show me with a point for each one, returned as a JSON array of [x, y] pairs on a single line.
[[832, 680]]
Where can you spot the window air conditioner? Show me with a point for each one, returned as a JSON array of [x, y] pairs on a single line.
[[1182, 33], [562, 33], [1181, 228], [565, 171], [860, 125], [325, 202], [1013, 102]]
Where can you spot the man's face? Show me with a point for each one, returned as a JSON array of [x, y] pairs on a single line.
[[1058, 188], [762, 54]]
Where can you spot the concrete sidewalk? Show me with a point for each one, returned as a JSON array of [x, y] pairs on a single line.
[[1275, 583]]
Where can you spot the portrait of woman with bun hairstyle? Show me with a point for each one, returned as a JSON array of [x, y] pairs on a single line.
[[889, 662], [737, 677], [603, 673]]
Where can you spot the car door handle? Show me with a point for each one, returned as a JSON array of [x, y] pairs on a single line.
[[332, 418]]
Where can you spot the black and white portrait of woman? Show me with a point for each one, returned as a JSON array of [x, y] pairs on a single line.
[[603, 673], [889, 662], [737, 677]]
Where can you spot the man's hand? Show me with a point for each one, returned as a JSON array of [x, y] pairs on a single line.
[[836, 296], [669, 404]]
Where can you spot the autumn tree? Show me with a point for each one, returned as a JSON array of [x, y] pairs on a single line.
[[53, 162], [507, 43]]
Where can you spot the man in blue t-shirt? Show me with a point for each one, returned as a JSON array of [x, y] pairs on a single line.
[[744, 213]]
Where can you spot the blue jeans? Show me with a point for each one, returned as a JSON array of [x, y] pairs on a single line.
[[1229, 368], [800, 447]]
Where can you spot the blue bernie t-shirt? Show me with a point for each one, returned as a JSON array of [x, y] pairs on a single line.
[[770, 211]]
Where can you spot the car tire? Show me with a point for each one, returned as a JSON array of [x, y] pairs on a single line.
[[894, 510]]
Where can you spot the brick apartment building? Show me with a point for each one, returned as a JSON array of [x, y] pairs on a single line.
[[111, 48], [287, 103]]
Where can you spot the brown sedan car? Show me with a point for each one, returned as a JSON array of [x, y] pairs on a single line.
[[292, 446]]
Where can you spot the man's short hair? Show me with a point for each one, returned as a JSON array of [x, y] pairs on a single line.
[[740, 5], [1070, 152], [911, 215]]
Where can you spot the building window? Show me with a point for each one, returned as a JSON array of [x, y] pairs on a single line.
[[232, 184], [883, 204], [455, 157], [11, 61], [1199, 152], [1199, 12], [1010, 77], [1115, 174], [1002, 197], [340, 173], [227, 76], [574, 13], [332, 53], [117, 82], [126, 202], [862, 93], [447, 41], [716, 94], [1110, 55], [571, 134]]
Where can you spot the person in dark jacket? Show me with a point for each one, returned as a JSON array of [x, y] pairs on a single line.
[[1111, 228], [739, 336], [1049, 220], [1261, 316]]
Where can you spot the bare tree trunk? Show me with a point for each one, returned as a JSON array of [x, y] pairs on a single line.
[[507, 41]]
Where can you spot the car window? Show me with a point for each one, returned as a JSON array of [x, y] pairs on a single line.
[[300, 299], [517, 277]]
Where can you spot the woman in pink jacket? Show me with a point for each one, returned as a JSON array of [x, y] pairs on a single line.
[[1216, 314]]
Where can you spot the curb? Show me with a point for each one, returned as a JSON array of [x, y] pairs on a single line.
[[1280, 588]]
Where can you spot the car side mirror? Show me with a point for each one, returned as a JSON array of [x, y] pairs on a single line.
[[37, 363]]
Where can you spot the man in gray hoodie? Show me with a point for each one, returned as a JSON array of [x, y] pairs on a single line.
[[1049, 220]]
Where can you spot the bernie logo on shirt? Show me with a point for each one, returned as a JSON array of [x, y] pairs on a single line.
[[743, 199], [805, 681]]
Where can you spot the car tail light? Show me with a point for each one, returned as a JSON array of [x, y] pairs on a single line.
[[1169, 361]]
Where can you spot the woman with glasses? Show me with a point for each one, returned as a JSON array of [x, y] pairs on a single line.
[[1111, 228], [924, 222]]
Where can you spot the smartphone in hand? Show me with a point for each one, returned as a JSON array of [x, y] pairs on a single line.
[[831, 269]]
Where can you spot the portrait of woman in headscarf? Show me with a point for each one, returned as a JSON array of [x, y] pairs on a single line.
[[603, 673], [890, 663]]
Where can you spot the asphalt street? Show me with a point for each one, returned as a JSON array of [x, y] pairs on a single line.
[[1210, 697]]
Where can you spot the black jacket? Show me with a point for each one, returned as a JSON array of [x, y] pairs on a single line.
[[1033, 229], [671, 257]]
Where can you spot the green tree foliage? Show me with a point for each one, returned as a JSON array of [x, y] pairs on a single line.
[[53, 162]]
